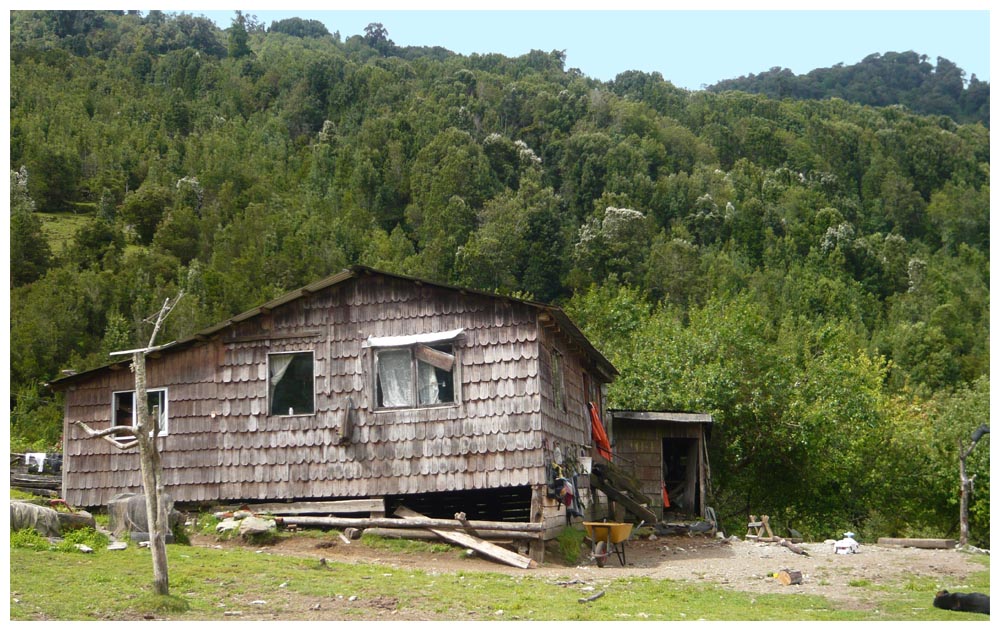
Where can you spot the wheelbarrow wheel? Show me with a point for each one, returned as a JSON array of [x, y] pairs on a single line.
[[600, 553]]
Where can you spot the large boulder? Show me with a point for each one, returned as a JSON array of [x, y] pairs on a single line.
[[127, 514], [44, 520]]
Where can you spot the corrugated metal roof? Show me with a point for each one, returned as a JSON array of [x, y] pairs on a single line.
[[565, 324]]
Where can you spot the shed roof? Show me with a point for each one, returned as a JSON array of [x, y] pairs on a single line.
[[557, 316], [662, 417]]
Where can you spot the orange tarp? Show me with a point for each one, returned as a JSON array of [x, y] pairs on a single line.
[[600, 436]]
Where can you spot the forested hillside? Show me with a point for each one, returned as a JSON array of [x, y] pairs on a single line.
[[905, 79], [814, 273]]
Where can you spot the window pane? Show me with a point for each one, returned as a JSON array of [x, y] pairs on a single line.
[[394, 378], [436, 385], [156, 399], [123, 412], [291, 383]]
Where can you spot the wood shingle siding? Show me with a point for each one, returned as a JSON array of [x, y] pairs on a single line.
[[224, 445]]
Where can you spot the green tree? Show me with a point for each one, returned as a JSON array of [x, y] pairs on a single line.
[[239, 39], [30, 254]]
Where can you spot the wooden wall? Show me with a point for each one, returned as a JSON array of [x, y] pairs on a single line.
[[224, 446], [641, 443]]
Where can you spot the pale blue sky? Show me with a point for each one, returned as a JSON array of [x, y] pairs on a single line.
[[690, 48]]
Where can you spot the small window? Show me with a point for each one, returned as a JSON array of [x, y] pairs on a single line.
[[124, 412], [415, 376], [558, 386], [290, 386]]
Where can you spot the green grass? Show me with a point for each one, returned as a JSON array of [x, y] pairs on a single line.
[[240, 584], [59, 228]]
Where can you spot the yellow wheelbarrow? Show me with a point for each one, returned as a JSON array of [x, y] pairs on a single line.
[[607, 537]]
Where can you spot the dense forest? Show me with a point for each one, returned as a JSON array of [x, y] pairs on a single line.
[[906, 79], [814, 272]]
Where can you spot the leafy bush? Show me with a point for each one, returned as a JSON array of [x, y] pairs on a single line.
[[82, 536], [570, 541], [29, 538]]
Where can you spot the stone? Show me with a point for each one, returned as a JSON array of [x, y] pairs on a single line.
[[255, 525]]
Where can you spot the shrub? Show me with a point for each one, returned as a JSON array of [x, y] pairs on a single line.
[[83, 536], [29, 538], [570, 540]]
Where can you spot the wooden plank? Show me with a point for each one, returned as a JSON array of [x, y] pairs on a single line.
[[307, 508], [384, 522], [484, 547], [419, 533], [930, 544]]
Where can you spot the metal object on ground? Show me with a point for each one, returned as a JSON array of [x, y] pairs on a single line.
[[608, 537]]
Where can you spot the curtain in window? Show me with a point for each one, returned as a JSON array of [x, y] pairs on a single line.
[[427, 384], [278, 367], [395, 374]]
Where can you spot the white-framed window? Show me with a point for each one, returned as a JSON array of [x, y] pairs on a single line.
[[291, 383], [123, 408], [415, 376]]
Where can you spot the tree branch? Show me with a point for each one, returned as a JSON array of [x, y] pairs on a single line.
[[107, 434]]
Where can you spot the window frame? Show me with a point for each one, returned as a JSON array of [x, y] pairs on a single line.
[[414, 371], [164, 413], [557, 379], [312, 383]]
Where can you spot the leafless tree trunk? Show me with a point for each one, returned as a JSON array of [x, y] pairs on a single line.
[[146, 435], [967, 483]]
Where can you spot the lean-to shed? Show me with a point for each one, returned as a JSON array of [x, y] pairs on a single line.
[[666, 451], [362, 385]]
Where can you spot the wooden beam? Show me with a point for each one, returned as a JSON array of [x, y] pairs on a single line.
[[483, 547], [930, 544], [313, 508], [387, 522], [419, 533]]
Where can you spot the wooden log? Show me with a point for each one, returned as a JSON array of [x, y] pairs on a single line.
[[417, 533], [794, 548], [465, 522], [316, 508], [388, 522], [928, 544], [591, 598], [790, 577], [483, 547]]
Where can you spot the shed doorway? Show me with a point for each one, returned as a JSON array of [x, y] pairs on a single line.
[[680, 476]]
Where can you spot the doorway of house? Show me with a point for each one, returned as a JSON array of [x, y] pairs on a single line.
[[680, 476]]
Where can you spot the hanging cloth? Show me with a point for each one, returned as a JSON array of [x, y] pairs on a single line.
[[666, 498], [600, 436]]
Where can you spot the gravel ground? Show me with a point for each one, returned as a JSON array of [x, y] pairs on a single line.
[[733, 564]]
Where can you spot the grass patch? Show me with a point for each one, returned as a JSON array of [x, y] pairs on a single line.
[[404, 545], [247, 584], [570, 541], [59, 228]]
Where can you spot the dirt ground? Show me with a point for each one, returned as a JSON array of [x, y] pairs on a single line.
[[739, 565]]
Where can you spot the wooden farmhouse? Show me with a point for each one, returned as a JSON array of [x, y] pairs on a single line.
[[362, 385]]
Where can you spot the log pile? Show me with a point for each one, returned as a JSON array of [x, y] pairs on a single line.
[[43, 485]]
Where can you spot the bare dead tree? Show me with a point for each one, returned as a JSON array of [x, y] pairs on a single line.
[[145, 435], [967, 482]]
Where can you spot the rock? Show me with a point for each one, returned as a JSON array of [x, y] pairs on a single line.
[[255, 525], [127, 513], [75, 520], [44, 520], [226, 525], [242, 514], [117, 545], [83, 548]]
